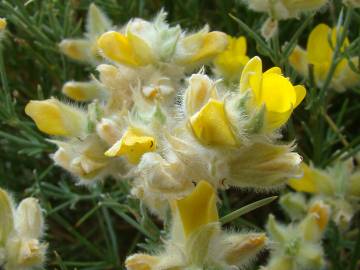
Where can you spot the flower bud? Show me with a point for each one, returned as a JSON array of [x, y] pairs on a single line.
[[97, 22], [82, 91], [84, 159], [323, 213], [29, 219], [201, 47], [269, 28], [141, 262], [263, 165], [56, 118], [242, 247], [200, 90], [77, 49], [129, 50]]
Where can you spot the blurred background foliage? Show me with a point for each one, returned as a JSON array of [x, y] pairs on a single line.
[[96, 228]]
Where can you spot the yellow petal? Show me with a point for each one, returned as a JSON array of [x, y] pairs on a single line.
[[300, 94], [275, 120], [116, 47], [318, 47], [275, 70], [200, 89], [252, 71], [277, 93], [298, 60], [323, 212], [2, 24], [81, 91], [132, 145], [55, 118], [231, 62], [306, 183], [213, 43], [238, 45], [211, 126], [77, 49], [198, 208], [141, 49], [320, 72]]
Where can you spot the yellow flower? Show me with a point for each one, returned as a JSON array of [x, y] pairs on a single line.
[[82, 91], [306, 183], [319, 53], [201, 47], [211, 126], [132, 145], [3, 24], [56, 118], [313, 180], [230, 62], [129, 49], [272, 90], [335, 185], [198, 208], [19, 232]]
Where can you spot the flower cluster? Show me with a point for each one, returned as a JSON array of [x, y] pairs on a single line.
[[154, 115], [20, 232], [142, 120], [338, 186]]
